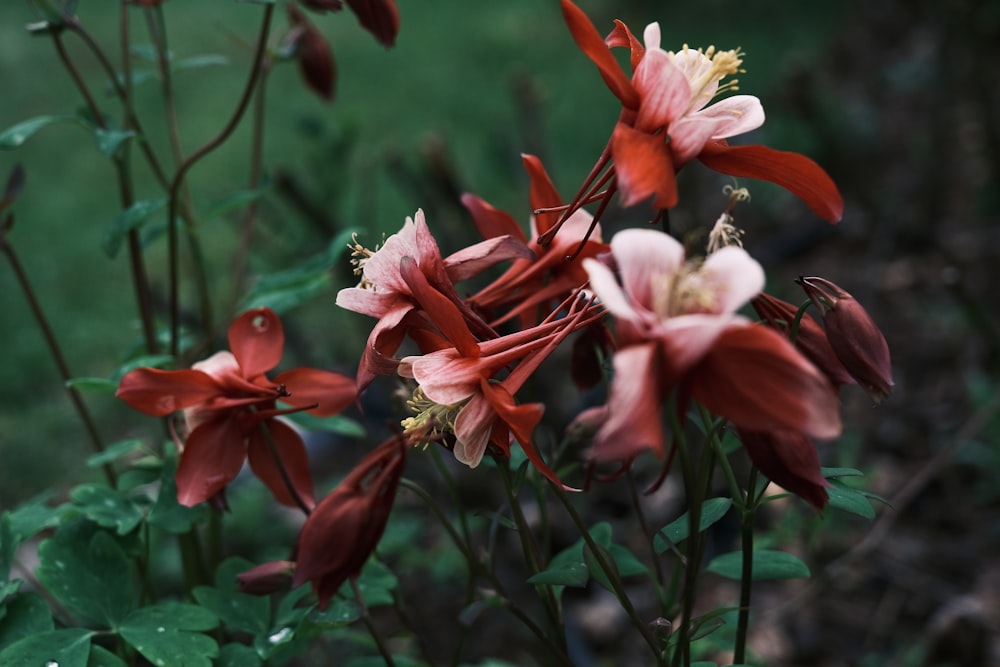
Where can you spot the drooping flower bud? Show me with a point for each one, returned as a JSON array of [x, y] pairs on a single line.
[[809, 339], [313, 53], [789, 459], [379, 17], [853, 335], [344, 529], [266, 578]]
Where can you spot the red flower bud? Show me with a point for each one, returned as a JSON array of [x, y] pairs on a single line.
[[344, 529], [379, 17], [266, 578], [810, 339], [321, 6], [313, 54], [853, 335]]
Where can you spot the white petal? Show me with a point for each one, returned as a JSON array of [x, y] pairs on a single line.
[[651, 36], [735, 276]]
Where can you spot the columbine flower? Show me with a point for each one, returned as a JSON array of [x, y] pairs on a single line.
[[678, 330], [458, 396], [344, 529], [397, 298], [537, 283], [788, 459], [667, 121], [229, 407], [853, 335]]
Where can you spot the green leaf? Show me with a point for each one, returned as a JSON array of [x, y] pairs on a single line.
[[831, 473], [167, 513], [377, 661], [89, 576], [16, 135], [237, 655], [114, 452], [92, 385], [27, 615], [563, 574], [169, 634], [66, 648], [678, 530], [768, 565], [106, 507], [102, 657], [850, 500], [238, 611], [110, 142], [336, 424], [131, 218], [341, 611]]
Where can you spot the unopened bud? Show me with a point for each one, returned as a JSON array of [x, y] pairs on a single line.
[[808, 337], [853, 335], [266, 578]]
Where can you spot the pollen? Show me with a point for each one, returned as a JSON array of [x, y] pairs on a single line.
[[359, 256], [706, 70], [689, 291], [430, 420]]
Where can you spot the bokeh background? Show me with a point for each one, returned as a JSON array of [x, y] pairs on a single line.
[[898, 99]]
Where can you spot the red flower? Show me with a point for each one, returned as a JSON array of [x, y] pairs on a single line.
[[391, 295], [537, 283], [344, 529], [229, 406], [667, 121], [853, 335], [788, 459], [677, 330]]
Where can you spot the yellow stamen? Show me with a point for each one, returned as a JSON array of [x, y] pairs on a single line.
[[723, 64], [430, 421], [360, 255], [687, 292]]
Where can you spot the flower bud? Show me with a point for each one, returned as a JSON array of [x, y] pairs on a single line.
[[313, 53], [266, 578], [810, 339], [789, 459], [344, 529], [853, 335]]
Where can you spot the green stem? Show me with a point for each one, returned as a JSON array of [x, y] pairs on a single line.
[[658, 579], [530, 550], [55, 351], [746, 570], [611, 573], [366, 618], [476, 566], [178, 180]]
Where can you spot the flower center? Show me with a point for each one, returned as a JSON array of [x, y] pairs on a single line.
[[430, 420], [689, 291], [706, 68]]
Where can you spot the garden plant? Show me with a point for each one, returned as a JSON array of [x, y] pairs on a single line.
[[565, 410]]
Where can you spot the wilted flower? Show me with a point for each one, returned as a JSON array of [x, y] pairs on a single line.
[[229, 407], [346, 526], [853, 335]]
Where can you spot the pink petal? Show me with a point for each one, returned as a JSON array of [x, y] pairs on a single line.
[[212, 457], [796, 173], [475, 259], [689, 135], [257, 339], [589, 40], [633, 412], [473, 427], [158, 392], [664, 91], [644, 257], [292, 453], [738, 114], [643, 167], [734, 276], [755, 378], [439, 308], [330, 392]]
